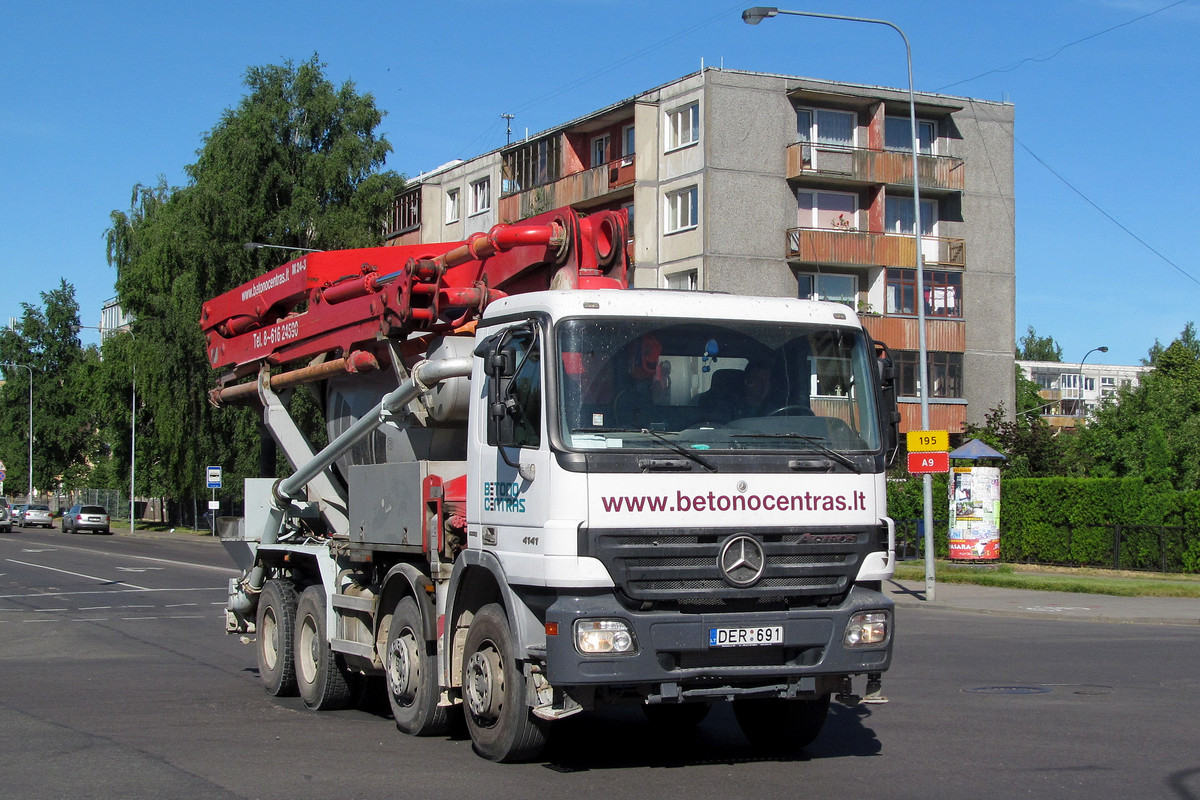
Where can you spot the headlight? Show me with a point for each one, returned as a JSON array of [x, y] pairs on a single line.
[[594, 636], [866, 628]]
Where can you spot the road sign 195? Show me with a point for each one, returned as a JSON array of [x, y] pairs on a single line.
[[928, 441]]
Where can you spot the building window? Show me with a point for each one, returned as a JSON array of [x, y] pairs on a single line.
[[945, 373], [627, 144], [531, 165], [898, 216], [629, 217], [600, 150], [1108, 386], [452, 212], [835, 211], [405, 213], [822, 126], [683, 126], [897, 135], [682, 211], [481, 196], [684, 281], [943, 292], [829, 286]]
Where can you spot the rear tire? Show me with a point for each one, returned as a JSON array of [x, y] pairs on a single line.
[[275, 631], [501, 724], [411, 672], [319, 673], [779, 725]]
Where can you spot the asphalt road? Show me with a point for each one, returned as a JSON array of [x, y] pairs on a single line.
[[117, 680]]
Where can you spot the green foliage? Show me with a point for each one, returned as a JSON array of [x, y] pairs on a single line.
[[1031, 445], [1038, 348], [296, 164], [65, 439], [1152, 431]]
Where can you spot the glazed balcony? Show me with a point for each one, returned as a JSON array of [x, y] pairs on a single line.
[[862, 249], [860, 165], [576, 189]]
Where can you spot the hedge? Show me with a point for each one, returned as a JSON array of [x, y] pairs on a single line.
[[1075, 521]]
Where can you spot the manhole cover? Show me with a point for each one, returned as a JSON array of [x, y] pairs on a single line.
[[1008, 690]]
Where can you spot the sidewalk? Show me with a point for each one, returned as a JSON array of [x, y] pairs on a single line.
[[1046, 605]]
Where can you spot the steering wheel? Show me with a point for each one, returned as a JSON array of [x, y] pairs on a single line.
[[800, 411]]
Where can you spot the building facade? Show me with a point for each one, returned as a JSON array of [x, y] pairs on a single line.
[[1071, 392], [774, 185]]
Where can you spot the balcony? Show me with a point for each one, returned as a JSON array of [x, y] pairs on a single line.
[[570, 190], [863, 249], [860, 165]]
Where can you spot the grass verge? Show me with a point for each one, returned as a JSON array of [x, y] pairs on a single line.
[[1057, 579]]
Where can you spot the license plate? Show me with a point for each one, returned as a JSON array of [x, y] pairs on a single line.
[[745, 637]]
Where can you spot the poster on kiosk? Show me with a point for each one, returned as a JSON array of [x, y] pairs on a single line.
[[975, 513]]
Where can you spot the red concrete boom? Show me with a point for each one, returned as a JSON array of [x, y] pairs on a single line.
[[339, 303]]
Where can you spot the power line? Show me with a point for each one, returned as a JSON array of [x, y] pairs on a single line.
[[1064, 47], [1109, 216]]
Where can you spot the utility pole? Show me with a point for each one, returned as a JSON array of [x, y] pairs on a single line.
[[508, 133]]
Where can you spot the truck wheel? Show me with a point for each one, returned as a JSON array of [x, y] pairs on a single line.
[[275, 627], [319, 676], [411, 672], [500, 723], [780, 725]]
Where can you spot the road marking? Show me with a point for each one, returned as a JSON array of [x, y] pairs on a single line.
[[39, 550], [179, 605], [77, 574], [116, 591], [138, 569]]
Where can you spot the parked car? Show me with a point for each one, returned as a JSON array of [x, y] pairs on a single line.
[[86, 518], [6, 520], [37, 515]]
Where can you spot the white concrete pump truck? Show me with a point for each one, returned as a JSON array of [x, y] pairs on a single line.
[[545, 491]]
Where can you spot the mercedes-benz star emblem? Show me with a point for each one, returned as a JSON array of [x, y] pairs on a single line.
[[742, 560]]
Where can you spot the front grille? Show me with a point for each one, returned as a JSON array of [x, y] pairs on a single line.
[[681, 566]]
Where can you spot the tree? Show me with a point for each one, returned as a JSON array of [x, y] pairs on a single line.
[[1152, 430], [1038, 348], [296, 163], [65, 436]]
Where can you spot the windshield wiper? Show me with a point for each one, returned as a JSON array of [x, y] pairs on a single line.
[[816, 442], [683, 451]]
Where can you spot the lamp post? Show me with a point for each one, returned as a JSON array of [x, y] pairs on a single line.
[[1079, 408], [753, 16], [29, 496]]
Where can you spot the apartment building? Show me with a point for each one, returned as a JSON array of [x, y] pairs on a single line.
[[751, 183], [1072, 391]]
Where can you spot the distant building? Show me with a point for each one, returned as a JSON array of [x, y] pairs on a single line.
[[113, 319], [775, 185], [1072, 391]]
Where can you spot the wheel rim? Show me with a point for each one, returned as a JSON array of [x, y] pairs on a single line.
[[404, 668], [308, 650], [484, 687], [270, 639]]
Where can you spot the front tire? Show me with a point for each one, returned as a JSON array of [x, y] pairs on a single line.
[[779, 725], [501, 724], [275, 631], [319, 676], [411, 672]]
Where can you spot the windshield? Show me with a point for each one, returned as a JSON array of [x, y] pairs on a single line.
[[713, 386]]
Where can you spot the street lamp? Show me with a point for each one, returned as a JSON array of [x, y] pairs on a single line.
[[260, 245], [29, 496], [132, 423], [753, 16], [1079, 408]]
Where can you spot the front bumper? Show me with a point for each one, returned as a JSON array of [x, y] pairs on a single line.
[[674, 650]]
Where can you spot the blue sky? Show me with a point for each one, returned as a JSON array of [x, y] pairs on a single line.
[[97, 97]]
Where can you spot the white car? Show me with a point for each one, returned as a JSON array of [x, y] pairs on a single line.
[[37, 516]]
